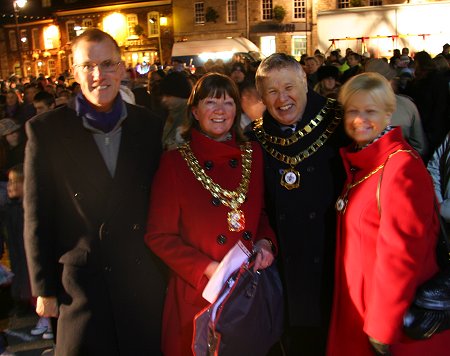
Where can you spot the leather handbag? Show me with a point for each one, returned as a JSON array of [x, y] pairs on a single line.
[[246, 318], [429, 313]]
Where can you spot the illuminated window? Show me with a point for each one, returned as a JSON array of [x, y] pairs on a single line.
[[12, 40], [343, 3], [299, 9], [199, 12], [375, 2], [267, 10], [35, 38], [70, 27], [268, 45], [52, 66], [153, 23], [132, 21], [231, 11], [24, 40], [87, 23], [298, 46]]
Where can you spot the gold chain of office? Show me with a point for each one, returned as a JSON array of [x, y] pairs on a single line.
[[229, 198], [287, 141], [232, 199], [342, 201], [301, 156]]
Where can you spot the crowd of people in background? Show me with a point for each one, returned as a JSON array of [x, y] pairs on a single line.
[[420, 85]]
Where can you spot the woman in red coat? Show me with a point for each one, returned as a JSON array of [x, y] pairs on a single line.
[[385, 246], [193, 221]]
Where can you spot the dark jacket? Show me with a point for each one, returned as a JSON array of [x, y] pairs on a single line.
[[13, 227], [84, 233], [304, 218]]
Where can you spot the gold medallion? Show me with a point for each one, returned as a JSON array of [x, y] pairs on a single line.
[[290, 179], [232, 199], [236, 220], [341, 204]]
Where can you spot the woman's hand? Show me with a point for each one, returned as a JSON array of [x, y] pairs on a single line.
[[264, 254], [209, 271], [379, 348]]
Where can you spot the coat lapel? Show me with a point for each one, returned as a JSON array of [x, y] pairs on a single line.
[[83, 150]]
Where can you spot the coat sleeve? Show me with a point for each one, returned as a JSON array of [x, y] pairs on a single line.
[[417, 137], [264, 229], [164, 229], [38, 197], [434, 167], [405, 250]]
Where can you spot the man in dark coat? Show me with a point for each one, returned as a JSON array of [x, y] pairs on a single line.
[[88, 171], [303, 176]]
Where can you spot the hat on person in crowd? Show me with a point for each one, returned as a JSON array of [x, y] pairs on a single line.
[[446, 46], [402, 62], [176, 84], [8, 126], [238, 66], [380, 66], [327, 72]]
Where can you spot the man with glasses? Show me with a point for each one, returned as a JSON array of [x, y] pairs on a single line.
[[88, 173]]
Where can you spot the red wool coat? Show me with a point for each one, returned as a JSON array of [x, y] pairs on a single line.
[[380, 261], [187, 229]]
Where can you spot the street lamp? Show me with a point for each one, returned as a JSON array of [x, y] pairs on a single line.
[[18, 4]]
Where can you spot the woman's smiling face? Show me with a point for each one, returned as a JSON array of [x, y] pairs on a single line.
[[364, 118], [215, 116]]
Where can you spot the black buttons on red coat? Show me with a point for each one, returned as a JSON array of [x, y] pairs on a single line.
[[247, 235], [209, 165], [233, 163], [221, 239], [215, 201]]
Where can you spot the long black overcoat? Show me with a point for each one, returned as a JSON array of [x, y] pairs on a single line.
[[84, 233], [304, 218]]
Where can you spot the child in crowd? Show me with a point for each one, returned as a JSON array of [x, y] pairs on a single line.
[[13, 227]]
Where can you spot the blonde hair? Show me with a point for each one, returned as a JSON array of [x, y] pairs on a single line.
[[373, 84]]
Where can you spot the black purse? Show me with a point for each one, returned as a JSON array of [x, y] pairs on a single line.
[[429, 313], [246, 318]]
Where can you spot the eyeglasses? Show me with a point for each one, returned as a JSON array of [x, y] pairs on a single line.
[[107, 66]]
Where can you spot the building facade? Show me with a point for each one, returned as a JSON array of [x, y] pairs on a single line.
[[36, 38], [42, 44]]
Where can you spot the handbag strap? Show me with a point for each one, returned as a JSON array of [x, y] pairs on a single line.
[[443, 237]]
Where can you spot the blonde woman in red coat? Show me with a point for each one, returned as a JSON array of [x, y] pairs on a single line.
[[190, 228], [383, 253]]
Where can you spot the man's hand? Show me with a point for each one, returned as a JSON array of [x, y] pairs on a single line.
[[47, 307]]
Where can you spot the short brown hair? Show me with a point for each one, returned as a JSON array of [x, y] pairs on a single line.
[[213, 85], [94, 35]]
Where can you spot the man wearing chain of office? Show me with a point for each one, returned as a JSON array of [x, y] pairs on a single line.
[[300, 133]]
